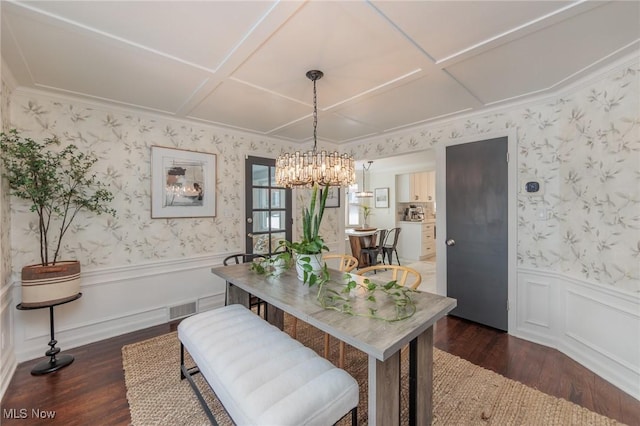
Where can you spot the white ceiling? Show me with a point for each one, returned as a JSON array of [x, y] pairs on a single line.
[[388, 65]]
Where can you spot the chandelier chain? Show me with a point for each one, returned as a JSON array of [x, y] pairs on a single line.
[[315, 117]]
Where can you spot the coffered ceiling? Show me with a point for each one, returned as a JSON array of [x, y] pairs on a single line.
[[388, 65]]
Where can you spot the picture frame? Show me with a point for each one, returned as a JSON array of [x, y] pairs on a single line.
[[333, 199], [183, 183], [381, 198]]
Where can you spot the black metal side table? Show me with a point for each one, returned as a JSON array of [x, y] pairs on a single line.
[[53, 363]]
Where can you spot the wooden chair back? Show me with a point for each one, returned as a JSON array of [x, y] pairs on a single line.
[[346, 262], [403, 275]]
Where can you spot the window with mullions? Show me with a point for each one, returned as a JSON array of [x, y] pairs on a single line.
[[268, 208]]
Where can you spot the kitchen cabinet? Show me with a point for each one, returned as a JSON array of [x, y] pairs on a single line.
[[415, 187], [417, 240], [431, 186], [428, 242]]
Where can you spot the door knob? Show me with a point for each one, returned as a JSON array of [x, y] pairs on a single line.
[[450, 242], [249, 220], [250, 235]]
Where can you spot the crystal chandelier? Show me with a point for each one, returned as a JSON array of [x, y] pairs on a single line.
[[308, 168], [364, 193]]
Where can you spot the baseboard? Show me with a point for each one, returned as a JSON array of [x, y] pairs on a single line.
[[9, 365], [595, 325]]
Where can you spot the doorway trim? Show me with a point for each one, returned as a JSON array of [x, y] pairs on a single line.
[[249, 209], [512, 216]]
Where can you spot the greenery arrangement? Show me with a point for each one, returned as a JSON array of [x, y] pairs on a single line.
[[342, 301], [58, 183]]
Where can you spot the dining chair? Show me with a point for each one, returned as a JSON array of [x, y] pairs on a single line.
[[403, 275], [390, 244], [246, 258], [372, 252], [347, 264]]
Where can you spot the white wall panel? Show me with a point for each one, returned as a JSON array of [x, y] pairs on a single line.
[[7, 353], [117, 301], [537, 304], [603, 328], [598, 327]]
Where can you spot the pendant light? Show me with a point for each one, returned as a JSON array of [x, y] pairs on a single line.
[[364, 193], [312, 167]]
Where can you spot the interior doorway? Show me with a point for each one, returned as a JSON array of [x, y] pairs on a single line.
[[416, 243]]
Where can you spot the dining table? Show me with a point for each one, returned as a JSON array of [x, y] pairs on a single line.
[[359, 239], [380, 339]]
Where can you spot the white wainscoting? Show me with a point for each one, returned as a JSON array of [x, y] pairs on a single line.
[[7, 356], [597, 326], [119, 300]]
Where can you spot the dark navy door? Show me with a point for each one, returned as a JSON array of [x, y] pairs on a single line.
[[477, 230]]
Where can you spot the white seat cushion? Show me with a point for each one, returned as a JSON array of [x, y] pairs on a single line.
[[261, 375]]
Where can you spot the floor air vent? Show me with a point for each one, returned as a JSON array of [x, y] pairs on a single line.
[[181, 311]]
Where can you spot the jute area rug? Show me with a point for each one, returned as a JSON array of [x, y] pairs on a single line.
[[464, 394]]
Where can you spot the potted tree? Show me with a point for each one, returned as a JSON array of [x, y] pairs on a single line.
[[59, 184]]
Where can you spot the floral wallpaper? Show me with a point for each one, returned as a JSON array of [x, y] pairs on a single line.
[[5, 212], [122, 142], [583, 144], [585, 147]]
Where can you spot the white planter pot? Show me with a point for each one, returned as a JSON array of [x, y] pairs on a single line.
[[315, 261]]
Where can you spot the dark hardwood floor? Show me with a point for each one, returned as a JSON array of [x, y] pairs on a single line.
[[91, 391]]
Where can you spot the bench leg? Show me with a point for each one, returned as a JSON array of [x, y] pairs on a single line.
[[186, 373], [203, 403], [354, 417], [182, 376]]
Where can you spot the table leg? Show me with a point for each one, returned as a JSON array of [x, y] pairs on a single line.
[[236, 295], [275, 316], [384, 391], [421, 379]]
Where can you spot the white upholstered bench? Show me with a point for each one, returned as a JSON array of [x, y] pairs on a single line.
[[260, 374]]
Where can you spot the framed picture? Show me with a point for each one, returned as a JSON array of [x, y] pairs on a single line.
[[183, 183], [333, 199], [381, 197]]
